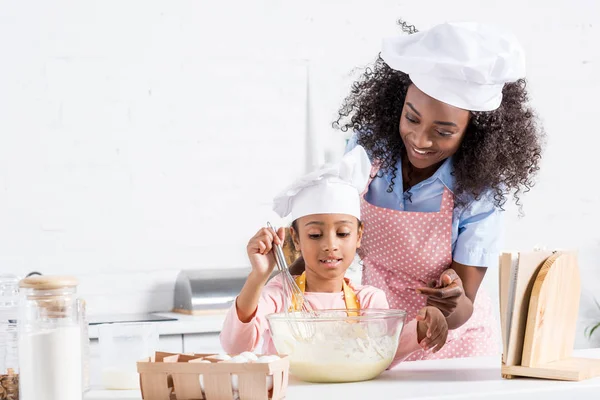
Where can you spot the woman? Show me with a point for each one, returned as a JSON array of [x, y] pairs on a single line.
[[443, 115]]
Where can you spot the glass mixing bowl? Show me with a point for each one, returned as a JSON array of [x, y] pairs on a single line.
[[343, 345]]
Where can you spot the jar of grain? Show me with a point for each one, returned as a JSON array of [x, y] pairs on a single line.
[[9, 358]]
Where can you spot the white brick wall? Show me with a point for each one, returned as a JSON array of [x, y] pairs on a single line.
[[142, 137]]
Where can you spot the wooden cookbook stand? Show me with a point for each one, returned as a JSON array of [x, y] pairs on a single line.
[[552, 291]]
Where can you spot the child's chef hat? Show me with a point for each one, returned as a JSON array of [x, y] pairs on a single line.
[[332, 189], [462, 64]]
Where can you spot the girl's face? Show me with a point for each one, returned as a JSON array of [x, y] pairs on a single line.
[[430, 129], [328, 243]]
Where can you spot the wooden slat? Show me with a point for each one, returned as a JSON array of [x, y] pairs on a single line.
[[553, 308], [253, 386], [218, 386], [155, 386], [278, 385], [528, 266], [187, 386], [571, 369]]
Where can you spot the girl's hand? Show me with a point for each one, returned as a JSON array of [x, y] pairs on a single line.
[[432, 329], [447, 296], [260, 251]]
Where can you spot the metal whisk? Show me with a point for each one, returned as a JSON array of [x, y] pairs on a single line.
[[294, 303]]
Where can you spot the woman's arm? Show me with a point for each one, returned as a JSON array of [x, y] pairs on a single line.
[[480, 233], [471, 278], [456, 294]]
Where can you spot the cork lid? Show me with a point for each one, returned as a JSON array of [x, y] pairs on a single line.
[[48, 282]]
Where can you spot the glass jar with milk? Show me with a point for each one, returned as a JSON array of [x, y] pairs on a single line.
[[50, 350]]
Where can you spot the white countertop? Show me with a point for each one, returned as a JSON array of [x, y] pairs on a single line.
[[185, 324], [466, 378]]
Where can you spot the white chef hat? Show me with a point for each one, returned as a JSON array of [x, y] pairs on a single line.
[[462, 64], [332, 189]]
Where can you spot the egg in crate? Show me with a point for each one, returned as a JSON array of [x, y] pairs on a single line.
[[249, 357]]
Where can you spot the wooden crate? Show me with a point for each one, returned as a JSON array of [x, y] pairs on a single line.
[[172, 376]]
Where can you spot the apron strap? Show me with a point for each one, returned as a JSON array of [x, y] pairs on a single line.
[[349, 295]]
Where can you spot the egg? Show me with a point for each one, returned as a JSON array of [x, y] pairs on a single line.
[[268, 359], [201, 376], [239, 359], [250, 356], [221, 357]]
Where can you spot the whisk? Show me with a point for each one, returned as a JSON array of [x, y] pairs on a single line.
[[294, 303]]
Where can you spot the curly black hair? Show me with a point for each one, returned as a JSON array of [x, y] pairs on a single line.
[[499, 155]]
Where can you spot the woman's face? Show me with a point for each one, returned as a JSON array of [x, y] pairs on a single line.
[[430, 129]]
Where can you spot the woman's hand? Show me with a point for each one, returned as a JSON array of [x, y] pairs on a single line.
[[260, 252], [432, 329], [447, 296]]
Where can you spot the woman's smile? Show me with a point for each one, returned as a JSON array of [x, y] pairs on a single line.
[[421, 154]]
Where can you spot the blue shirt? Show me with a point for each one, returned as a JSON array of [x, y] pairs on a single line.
[[477, 228]]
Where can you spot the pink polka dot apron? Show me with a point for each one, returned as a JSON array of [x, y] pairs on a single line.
[[403, 250]]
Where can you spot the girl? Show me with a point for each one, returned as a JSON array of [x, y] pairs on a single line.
[[325, 208]]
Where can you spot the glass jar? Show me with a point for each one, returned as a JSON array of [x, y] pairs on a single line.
[[9, 362], [85, 343], [50, 343], [121, 347]]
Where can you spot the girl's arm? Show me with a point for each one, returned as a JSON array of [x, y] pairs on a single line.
[[248, 299], [244, 334], [245, 322]]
